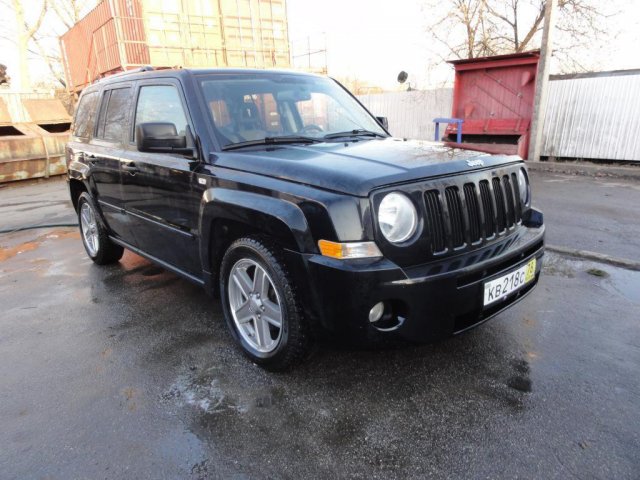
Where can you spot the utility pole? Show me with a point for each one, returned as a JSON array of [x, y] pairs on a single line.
[[542, 81]]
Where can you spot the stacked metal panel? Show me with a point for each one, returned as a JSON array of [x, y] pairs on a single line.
[[124, 34]]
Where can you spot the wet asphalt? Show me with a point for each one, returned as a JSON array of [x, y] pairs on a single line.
[[127, 371]]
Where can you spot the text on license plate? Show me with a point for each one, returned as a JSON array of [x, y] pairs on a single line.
[[501, 287]]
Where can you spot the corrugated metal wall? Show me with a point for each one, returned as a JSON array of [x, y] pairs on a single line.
[[594, 117], [411, 114]]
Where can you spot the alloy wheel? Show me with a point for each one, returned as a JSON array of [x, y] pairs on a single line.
[[89, 227], [255, 305]]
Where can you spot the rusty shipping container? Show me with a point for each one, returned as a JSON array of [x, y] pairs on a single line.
[[33, 134], [121, 35]]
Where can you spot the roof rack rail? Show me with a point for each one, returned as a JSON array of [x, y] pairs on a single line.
[[146, 68]]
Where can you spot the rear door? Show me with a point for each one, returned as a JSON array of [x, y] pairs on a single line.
[[161, 190], [103, 155]]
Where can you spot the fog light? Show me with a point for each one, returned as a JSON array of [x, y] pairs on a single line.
[[376, 312]]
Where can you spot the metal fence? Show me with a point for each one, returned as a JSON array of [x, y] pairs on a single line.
[[594, 116], [589, 116]]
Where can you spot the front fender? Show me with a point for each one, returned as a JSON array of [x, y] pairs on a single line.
[[276, 217]]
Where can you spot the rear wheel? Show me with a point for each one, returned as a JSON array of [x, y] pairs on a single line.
[[94, 235], [260, 304]]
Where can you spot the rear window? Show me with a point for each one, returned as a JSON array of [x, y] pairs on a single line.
[[114, 114], [85, 115]]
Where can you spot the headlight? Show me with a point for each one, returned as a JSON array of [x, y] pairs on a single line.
[[524, 188], [397, 217]]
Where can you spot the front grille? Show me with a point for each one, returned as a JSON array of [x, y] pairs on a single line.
[[477, 211]]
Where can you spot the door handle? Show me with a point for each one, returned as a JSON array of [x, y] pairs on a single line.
[[131, 168]]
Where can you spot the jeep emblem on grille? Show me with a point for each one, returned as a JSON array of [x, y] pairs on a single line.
[[475, 163]]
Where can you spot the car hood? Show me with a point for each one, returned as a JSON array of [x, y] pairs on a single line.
[[357, 168]]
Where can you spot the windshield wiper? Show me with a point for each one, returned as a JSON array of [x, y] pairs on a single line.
[[354, 133], [273, 141]]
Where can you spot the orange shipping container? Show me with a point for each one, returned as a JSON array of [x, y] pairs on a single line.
[[121, 35]]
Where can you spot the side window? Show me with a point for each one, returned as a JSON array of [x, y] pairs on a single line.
[[161, 103], [113, 114], [85, 115]]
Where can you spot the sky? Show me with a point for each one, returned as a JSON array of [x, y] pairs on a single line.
[[373, 40], [376, 39], [369, 39]]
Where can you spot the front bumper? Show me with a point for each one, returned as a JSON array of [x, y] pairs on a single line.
[[424, 303]]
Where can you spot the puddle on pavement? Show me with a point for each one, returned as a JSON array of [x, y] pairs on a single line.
[[618, 281], [520, 380], [623, 282], [10, 251]]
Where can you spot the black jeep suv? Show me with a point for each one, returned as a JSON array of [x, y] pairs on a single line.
[[282, 191]]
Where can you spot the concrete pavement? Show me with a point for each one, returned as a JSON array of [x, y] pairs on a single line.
[[590, 213], [128, 371]]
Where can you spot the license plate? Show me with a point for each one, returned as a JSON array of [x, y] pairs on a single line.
[[498, 289]]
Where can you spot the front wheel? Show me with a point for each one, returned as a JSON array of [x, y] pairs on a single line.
[[94, 235], [260, 304]]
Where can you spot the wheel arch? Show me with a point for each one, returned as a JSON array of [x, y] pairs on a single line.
[[76, 188], [230, 214]]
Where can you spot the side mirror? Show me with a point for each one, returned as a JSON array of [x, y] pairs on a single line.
[[161, 137], [383, 122]]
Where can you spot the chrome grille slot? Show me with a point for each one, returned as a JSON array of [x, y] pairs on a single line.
[[499, 197], [516, 192], [511, 220], [456, 222], [487, 209], [473, 212], [435, 221]]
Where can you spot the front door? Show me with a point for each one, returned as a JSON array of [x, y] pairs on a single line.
[[162, 195]]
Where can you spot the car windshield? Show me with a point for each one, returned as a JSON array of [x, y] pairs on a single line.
[[248, 109]]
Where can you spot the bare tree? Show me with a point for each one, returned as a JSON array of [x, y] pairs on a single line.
[[462, 28], [39, 39], [473, 28], [25, 33]]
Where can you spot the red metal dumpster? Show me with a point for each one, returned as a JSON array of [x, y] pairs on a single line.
[[494, 96]]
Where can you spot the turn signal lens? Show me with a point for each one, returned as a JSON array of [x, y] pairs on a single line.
[[349, 249]]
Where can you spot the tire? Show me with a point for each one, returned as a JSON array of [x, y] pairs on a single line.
[[94, 235], [254, 324]]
